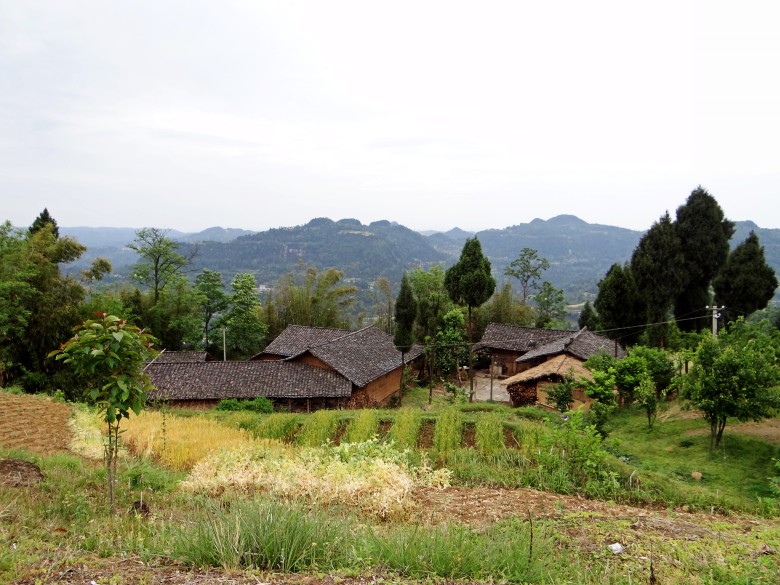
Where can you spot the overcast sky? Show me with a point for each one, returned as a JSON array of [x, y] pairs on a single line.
[[256, 114]]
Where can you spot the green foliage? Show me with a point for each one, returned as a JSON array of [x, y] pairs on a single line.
[[704, 234], [245, 330], [405, 428], [312, 298], [38, 306], [363, 427], [451, 348], [261, 405], [317, 428], [620, 307], [504, 308], [468, 282], [735, 375], [746, 282], [160, 261], [527, 268], [279, 426], [562, 394], [550, 306], [447, 434], [405, 316], [588, 318], [455, 394], [657, 266], [263, 535], [489, 434], [110, 354], [213, 299]]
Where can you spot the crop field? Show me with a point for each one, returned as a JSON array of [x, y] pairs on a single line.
[[473, 493]]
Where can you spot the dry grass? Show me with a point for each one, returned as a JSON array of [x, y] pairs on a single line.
[[179, 443]]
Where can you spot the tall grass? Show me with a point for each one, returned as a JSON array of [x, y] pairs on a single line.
[[264, 535], [269, 536], [279, 426], [405, 428], [317, 428], [363, 427], [448, 431], [490, 434]]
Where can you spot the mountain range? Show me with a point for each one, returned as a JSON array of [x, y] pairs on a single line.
[[580, 253]]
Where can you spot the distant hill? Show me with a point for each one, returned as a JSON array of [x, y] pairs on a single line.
[[580, 253], [362, 252]]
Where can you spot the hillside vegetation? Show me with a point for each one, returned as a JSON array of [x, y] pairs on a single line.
[[288, 494]]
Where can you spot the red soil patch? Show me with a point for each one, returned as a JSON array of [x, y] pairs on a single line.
[[34, 423], [425, 435]]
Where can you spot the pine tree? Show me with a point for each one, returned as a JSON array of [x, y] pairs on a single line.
[[746, 282], [42, 220]]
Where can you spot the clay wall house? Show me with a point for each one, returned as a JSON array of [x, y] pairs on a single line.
[[552, 362], [367, 358], [201, 385], [506, 343], [529, 387]]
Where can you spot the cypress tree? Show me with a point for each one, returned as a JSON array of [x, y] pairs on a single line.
[[746, 282], [704, 234], [469, 283]]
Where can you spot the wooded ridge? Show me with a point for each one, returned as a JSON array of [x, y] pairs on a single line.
[[580, 253]]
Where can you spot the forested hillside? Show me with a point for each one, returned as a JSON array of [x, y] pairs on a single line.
[[580, 253]]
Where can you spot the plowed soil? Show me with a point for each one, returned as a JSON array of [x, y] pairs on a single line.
[[35, 423]]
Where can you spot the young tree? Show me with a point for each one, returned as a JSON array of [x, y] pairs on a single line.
[[246, 331], [550, 305], [160, 261], [735, 375], [527, 268], [110, 354], [213, 298], [703, 233], [746, 282], [469, 283]]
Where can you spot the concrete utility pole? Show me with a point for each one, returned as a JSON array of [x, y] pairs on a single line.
[[715, 317]]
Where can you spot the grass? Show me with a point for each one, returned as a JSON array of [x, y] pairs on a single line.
[[733, 477], [62, 524]]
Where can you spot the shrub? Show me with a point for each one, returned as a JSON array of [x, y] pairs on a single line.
[[260, 404]]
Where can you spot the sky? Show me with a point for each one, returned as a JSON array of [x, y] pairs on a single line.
[[257, 114]]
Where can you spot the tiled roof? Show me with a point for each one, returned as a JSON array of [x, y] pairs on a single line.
[[221, 380], [298, 338], [180, 357], [514, 338], [582, 344], [362, 356]]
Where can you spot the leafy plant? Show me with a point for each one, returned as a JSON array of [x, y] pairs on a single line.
[[110, 354]]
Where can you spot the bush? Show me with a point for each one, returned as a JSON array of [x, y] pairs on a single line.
[[260, 404]]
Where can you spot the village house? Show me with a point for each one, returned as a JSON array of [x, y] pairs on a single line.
[[506, 343], [553, 362], [304, 369], [201, 385], [367, 358]]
